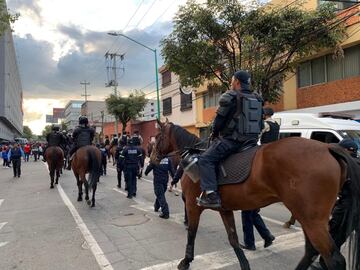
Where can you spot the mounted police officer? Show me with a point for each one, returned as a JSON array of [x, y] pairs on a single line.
[[271, 130], [161, 178], [132, 157], [83, 135], [238, 121], [54, 138]]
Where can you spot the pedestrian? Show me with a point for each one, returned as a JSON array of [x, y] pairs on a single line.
[[103, 159], [338, 229], [251, 218], [35, 151], [4, 155], [161, 173], [27, 151], [120, 161], [132, 157], [15, 155]]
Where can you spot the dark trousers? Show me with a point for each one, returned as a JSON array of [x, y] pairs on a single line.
[[130, 178], [160, 188], [5, 162], [249, 220], [16, 167], [120, 170], [103, 166], [210, 159], [27, 155]]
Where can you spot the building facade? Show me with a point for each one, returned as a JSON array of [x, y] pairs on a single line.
[[177, 103], [323, 83], [72, 113], [11, 95], [150, 111]]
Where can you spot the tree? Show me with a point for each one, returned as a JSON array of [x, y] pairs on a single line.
[[64, 126], [6, 19], [46, 130], [126, 108], [27, 133], [212, 41]]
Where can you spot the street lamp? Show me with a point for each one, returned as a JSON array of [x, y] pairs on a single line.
[[156, 66]]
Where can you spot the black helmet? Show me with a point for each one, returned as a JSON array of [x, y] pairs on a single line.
[[83, 120], [55, 128], [130, 141], [350, 145], [268, 111]]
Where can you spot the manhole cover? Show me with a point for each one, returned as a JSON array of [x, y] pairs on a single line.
[[130, 220]]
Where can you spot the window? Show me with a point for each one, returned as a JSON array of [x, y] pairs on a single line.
[[152, 103], [212, 97], [284, 135], [323, 136], [326, 69], [340, 4], [166, 78], [186, 101], [152, 110], [167, 106]]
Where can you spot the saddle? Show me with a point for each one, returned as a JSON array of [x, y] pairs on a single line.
[[236, 168]]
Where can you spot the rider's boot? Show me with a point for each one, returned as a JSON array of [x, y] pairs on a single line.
[[209, 200]]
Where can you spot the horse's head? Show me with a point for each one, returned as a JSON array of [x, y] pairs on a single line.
[[164, 143]]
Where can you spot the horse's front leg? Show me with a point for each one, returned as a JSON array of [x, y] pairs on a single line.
[[79, 184], [229, 222], [193, 213], [93, 195], [52, 178]]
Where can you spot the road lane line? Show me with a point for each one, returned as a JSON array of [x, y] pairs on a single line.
[[89, 238], [2, 244], [1, 201], [280, 223], [225, 258], [2, 225]]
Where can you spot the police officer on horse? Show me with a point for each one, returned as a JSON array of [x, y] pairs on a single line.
[[271, 130], [83, 135], [54, 138], [238, 121]]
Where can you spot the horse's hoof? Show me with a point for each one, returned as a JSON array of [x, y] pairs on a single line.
[[52, 186], [88, 202], [93, 205], [79, 199], [184, 265]]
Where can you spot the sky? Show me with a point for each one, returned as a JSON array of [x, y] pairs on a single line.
[[62, 42]]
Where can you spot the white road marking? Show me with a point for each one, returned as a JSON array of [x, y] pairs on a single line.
[[280, 223], [2, 244], [225, 258], [2, 225], [1, 201], [89, 238]]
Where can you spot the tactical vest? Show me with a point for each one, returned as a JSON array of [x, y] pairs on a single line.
[[272, 135], [84, 138], [54, 139], [247, 120]]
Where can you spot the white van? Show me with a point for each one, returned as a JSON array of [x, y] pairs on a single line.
[[322, 127]]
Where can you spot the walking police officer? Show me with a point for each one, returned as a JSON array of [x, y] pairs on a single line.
[[83, 135], [54, 138], [132, 157], [120, 161], [161, 178], [232, 127]]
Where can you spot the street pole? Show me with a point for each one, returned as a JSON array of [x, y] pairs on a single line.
[[85, 83], [102, 126], [157, 85], [115, 93]]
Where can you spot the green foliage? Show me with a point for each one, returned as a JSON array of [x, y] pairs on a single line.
[[126, 108], [27, 133], [212, 41], [64, 126], [46, 130], [6, 19]]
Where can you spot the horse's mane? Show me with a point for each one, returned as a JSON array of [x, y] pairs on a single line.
[[183, 137]]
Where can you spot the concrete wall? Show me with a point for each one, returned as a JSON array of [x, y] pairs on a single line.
[[11, 113]]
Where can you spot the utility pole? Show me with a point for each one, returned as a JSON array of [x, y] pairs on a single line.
[[112, 77], [102, 126], [85, 83]]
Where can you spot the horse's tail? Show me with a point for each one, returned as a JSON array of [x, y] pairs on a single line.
[[351, 169], [94, 167]]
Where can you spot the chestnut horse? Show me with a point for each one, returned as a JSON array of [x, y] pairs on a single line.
[[87, 159], [305, 175], [54, 157]]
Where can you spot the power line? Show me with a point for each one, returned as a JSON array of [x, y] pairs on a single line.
[[86, 95]]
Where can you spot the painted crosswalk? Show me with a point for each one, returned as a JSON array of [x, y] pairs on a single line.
[[2, 224]]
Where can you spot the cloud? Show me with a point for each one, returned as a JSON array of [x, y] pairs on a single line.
[[42, 76], [30, 8]]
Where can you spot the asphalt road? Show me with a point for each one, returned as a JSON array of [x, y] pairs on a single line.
[[48, 229]]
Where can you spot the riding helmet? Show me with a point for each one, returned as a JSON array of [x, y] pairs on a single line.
[[268, 111], [349, 145], [55, 128]]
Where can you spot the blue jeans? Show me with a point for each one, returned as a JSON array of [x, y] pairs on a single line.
[[210, 160], [249, 220], [160, 188]]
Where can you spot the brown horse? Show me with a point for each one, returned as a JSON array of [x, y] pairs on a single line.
[[305, 175], [87, 159], [111, 150], [54, 157]]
